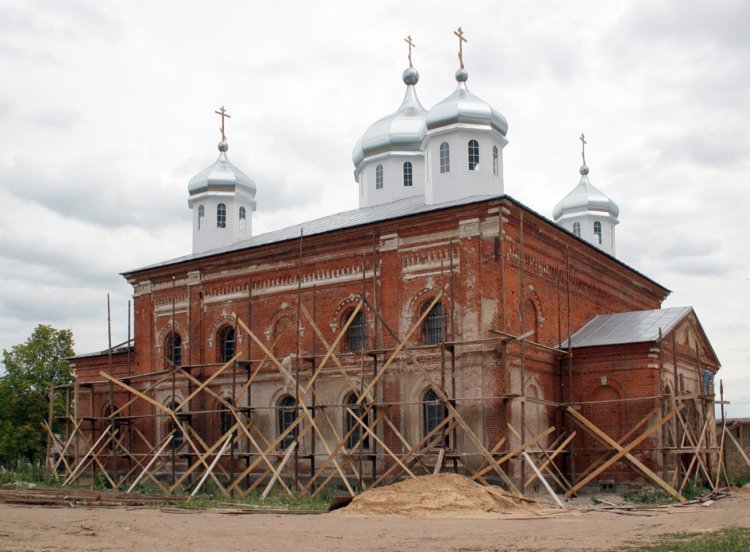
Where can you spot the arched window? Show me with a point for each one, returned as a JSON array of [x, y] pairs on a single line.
[[221, 216], [179, 437], [473, 155], [287, 414], [226, 343], [379, 177], [495, 161], [226, 419], [598, 231], [350, 424], [432, 328], [173, 348], [445, 158], [577, 229], [530, 320], [201, 216], [408, 180], [433, 412], [355, 334], [242, 219]]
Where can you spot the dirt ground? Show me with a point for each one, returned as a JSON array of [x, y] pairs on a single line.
[[37, 528]]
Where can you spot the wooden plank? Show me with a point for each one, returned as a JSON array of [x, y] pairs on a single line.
[[402, 439], [352, 387], [591, 428], [415, 452], [516, 451], [334, 345], [269, 449], [301, 404], [696, 446], [551, 457], [467, 430], [258, 368], [232, 410], [623, 451], [151, 462], [494, 450], [338, 447], [210, 469], [83, 462], [165, 410], [739, 447], [721, 456], [202, 460], [203, 384], [277, 471], [542, 479], [439, 462], [400, 346], [380, 442], [598, 462], [552, 475]]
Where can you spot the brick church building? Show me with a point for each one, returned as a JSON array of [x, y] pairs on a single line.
[[438, 279]]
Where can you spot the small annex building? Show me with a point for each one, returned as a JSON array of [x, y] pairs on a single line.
[[440, 321]]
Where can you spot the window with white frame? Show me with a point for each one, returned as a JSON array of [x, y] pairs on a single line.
[[221, 216], [243, 217], [473, 155], [201, 216], [379, 177], [445, 158], [408, 177], [286, 416], [598, 231]]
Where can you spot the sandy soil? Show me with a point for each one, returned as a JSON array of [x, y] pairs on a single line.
[[38, 528]]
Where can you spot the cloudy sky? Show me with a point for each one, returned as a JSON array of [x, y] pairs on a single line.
[[106, 111]]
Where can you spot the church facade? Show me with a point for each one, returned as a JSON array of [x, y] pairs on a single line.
[[351, 339]]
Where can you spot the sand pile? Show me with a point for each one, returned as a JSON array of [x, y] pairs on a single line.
[[435, 495]]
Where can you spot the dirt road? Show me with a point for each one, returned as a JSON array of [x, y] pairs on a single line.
[[39, 528]]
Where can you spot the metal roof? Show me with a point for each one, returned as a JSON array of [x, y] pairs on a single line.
[[347, 219], [116, 349], [627, 327], [366, 215]]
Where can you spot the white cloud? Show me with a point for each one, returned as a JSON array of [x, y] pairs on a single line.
[[108, 112]]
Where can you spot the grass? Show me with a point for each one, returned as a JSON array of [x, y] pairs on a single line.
[[210, 496], [30, 474], [739, 480], [648, 495], [732, 539], [654, 495], [274, 501]]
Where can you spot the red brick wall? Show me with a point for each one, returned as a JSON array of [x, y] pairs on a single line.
[[413, 258]]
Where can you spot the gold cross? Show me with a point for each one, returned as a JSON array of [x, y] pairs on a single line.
[[411, 45], [583, 147], [223, 113], [460, 34]]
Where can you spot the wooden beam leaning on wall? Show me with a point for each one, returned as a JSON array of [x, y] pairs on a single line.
[[476, 441], [561, 481], [599, 435], [305, 410], [169, 412]]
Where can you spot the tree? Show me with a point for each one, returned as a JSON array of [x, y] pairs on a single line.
[[31, 368]]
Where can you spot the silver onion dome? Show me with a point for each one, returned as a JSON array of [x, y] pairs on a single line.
[[464, 107], [402, 130], [585, 198], [222, 176]]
